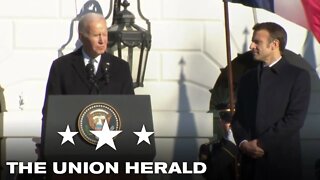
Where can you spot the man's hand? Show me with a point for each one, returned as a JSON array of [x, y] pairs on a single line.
[[251, 149]]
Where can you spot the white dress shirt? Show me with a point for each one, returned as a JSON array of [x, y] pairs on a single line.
[[86, 59]]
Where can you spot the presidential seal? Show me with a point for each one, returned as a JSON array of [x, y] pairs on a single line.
[[93, 117]]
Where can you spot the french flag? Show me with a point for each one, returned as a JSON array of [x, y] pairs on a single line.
[[302, 12]]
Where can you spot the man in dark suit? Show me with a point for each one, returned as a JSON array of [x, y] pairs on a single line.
[[272, 103]]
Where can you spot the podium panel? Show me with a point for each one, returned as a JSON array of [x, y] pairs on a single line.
[[86, 113]]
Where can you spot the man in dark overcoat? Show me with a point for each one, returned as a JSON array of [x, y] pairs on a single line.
[[272, 103], [90, 69]]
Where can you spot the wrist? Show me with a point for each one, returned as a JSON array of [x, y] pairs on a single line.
[[242, 146]]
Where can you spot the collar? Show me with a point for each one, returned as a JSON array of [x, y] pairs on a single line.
[[87, 58], [276, 67], [275, 62]]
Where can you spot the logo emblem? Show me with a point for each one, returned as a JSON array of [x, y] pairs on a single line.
[[93, 117]]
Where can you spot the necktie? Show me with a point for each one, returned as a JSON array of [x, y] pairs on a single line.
[[90, 69]]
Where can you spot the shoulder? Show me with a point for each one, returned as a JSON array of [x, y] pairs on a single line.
[[116, 64], [114, 59], [249, 77], [68, 58], [293, 71]]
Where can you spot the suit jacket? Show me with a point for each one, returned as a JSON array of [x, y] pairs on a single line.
[[272, 109]]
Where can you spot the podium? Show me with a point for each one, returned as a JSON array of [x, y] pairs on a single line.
[[86, 113]]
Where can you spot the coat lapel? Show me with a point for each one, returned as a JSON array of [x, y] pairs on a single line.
[[101, 72], [79, 67]]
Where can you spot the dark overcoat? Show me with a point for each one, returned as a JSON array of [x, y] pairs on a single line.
[[272, 109]]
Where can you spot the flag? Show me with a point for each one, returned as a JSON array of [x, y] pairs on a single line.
[[305, 13]]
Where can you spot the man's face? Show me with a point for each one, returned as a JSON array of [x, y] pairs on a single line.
[[96, 39], [261, 47]]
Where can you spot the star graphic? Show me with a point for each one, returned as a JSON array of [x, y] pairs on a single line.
[[67, 135], [105, 136], [143, 135]]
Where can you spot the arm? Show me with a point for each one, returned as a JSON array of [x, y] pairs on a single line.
[[241, 126], [127, 85], [53, 87], [249, 147], [240, 133]]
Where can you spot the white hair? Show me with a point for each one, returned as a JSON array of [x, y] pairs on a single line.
[[85, 19]]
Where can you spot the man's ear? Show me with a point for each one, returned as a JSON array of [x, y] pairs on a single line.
[[276, 44], [81, 37]]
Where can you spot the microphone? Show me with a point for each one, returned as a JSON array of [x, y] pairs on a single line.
[[106, 74]]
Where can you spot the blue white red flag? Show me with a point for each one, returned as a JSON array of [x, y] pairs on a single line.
[[302, 12]]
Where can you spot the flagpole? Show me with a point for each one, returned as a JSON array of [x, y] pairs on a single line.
[[255, 17], [230, 75], [228, 49]]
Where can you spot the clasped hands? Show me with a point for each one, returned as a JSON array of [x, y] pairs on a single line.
[[252, 149]]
